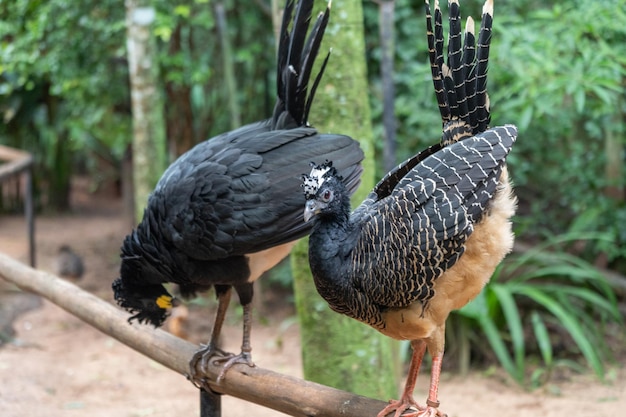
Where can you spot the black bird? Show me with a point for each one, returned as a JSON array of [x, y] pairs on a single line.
[[229, 209], [429, 236]]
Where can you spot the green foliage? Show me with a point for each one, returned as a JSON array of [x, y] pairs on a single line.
[[64, 89], [62, 78], [190, 57], [543, 298], [563, 86]]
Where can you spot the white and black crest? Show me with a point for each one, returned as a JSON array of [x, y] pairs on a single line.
[[313, 181]]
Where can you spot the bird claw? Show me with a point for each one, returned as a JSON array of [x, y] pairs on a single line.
[[198, 365], [243, 358], [409, 408]]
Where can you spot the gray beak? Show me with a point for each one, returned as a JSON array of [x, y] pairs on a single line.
[[310, 210]]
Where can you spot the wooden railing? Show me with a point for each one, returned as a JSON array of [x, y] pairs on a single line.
[[284, 393], [20, 163]]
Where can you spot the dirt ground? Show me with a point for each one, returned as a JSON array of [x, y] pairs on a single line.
[[57, 366]]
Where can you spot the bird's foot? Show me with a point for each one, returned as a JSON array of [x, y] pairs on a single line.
[[244, 358], [407, 407], [199, 363]]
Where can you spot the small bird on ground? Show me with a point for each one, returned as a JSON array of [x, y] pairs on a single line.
[[429, 236], [69, 264], [230, 208]]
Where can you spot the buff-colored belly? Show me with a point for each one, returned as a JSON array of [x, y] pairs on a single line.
[[491, 240]]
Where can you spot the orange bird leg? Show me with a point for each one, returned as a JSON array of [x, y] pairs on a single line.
[[407, 401], [433, 402]]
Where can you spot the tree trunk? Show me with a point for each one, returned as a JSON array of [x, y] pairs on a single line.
[[61, 169], [147, 105], [128, 190], [337, 350], [180, 134], [228, 65], [386, 22]]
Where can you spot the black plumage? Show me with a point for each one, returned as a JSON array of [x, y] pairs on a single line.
[[431, 233], [229, 209]]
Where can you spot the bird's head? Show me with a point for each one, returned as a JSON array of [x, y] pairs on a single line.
[[150, 304], [143, 269], [323, 191]]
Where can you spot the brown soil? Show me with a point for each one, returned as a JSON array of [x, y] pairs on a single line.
[[57, 366]]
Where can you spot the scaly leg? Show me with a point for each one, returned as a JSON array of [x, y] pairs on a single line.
[[407, 401], [206, 352], [433, 402], [245, 357]]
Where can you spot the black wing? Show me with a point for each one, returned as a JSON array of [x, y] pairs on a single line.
[[239, 193], [410, 237]]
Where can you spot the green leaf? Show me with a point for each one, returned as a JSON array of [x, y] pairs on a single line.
[[497, 344], [595, 301], [569, 323], [543, 338], [182, 10], [514, 323], [477, 309]]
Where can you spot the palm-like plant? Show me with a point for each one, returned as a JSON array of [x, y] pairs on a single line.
[[537, 297]]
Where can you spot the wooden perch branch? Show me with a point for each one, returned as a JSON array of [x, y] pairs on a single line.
[[18, 161], [280, 392]]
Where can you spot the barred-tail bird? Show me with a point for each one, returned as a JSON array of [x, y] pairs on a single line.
[[429, 236], [230, 208]]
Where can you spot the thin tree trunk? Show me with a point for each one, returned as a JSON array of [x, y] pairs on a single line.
[[229, 67], [180, 133], [59, 180], [337, 350], [386, 22], [128, 190], [147, 105]]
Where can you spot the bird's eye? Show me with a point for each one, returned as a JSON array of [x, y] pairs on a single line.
[[326, 195]]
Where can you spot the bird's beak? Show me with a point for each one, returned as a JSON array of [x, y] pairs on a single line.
[[310, 209], [166, 301]]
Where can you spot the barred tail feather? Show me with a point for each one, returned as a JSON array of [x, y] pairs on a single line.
[[482, 60], [460, 79], [435, 53]]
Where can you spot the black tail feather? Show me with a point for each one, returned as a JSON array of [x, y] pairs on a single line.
[[435, 53], [318, 78], [458, 106], [296, 55], [461, 83], [482, 61], [469, 56], [299, 30]]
